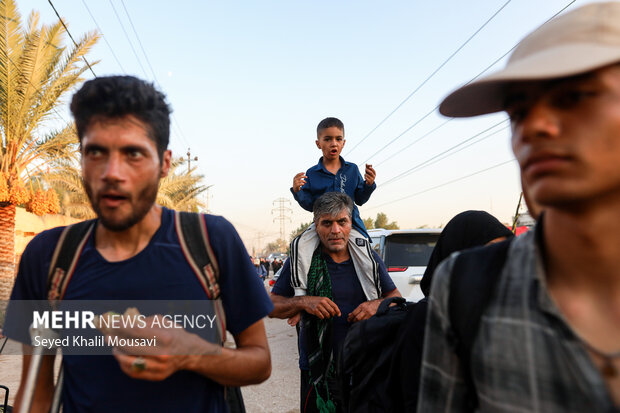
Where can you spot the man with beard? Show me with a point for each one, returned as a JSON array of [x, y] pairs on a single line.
[[134, 253], [337, 296]]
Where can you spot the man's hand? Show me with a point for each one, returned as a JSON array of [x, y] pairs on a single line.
[[322, 307], [364, 311], [290, 307], [294, 320], [174, 347], [369, 175], [298, 181]]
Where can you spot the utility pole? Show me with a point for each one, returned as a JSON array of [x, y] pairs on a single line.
[[208, 197], [259, 238], [282, 214], [189, 160]]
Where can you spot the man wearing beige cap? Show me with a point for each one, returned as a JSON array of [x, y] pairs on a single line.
[[548, 339]]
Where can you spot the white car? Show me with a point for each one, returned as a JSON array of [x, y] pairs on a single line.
[[406, 253], [276, 255]]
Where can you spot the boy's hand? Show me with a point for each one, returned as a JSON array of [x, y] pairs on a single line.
[[369, 175], [298, 181]]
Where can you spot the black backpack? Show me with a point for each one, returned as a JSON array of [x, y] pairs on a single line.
[[370, 370], [365, 360]]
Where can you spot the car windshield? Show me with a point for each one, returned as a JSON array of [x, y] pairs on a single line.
[[409, 250]]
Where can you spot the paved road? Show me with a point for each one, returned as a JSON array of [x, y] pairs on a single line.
[[279, 394]]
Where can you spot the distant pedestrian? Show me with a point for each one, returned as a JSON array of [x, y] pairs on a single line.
[[262, 271]]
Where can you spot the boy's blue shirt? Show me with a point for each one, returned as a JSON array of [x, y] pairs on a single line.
[[347, 180]]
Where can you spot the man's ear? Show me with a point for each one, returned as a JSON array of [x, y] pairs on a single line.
[[343, 142], [318, 145], [165, 163]]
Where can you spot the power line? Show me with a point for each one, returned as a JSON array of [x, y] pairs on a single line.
[[71, 37], [445, 183], [431, 75], [139, 42], [515, 46], [461, 149], [127, 37], [468, 82], [178, 128], [402, 133], [477, 172], [175, 124], [104, 38], [416, 141], [427, 162]]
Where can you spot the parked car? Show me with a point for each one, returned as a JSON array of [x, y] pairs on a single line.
[[276, 255], [275, 278], [405, 253]]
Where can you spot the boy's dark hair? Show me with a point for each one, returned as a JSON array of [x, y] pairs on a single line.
[[328, 123], [113, 97]]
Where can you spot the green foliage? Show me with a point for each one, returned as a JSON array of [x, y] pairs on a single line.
[[278, 245], [67, 181], [301, 228], [392, 225], [369, 223], [179, 190], [36, 71], [382, 222]]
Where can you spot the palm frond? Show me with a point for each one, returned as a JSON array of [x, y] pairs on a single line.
[[36, 71]]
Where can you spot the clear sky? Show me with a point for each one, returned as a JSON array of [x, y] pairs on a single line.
[[249, 81]]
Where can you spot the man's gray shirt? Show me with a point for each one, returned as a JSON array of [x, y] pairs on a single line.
[[525, 357]]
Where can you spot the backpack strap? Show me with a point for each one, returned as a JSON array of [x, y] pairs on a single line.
[[194, 239], [474, 277], [68, 249]]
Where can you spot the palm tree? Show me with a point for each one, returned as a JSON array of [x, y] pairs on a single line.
[[179, 190], [36, 71], [67, 181]]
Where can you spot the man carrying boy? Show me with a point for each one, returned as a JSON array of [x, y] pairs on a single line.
[[133, 253], [549, 338], [333, 174], [335, 299]]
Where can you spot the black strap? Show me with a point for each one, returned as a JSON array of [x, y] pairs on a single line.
[[194, 239], [192, 232], [384, 306], [474, 277], [197, 244], [68, 249]]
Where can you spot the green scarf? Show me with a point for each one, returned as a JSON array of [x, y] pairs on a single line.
[[319, 335]]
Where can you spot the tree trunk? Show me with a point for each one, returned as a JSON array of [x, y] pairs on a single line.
[[7, 249]]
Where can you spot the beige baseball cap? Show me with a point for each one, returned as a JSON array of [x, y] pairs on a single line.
[[573, 43]]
